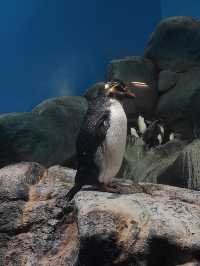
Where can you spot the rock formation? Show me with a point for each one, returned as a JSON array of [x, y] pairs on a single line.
[[46, 135], [145, 225]]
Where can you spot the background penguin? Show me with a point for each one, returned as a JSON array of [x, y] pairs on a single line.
[[142, 127], [102, 138], [154, 134]]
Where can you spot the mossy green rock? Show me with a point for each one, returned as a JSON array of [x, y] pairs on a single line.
[[46, 135]]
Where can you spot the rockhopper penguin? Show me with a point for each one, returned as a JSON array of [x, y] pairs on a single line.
[[102, 138]]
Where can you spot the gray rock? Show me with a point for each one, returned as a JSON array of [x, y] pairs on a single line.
[[140, 224], [180, 105], [46, 135], [167, 80], [144, 165], [175, 44], [157, 227], [15, 180], [36, 230], [185, 171], [133, 68]]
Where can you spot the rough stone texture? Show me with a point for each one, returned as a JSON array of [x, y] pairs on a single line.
[[157, 227], [181, 103], [46, 135], [146, 165], [167, 80], [175, 44], [34, 226], [185, 171], [15, 180], [175, 49], [136, 68], [144, 224], [133, 68]]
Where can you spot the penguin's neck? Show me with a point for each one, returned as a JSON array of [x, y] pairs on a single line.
[[115, 102]]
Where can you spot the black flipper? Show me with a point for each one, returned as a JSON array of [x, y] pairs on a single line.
[[102, 126]]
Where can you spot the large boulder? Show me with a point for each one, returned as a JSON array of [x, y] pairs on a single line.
[[185, 170], [175, 44], [175, 49], [144, 224], [167, 80], [46, 135], [146, 165], [182, 103], [151, 228], [34, 226]]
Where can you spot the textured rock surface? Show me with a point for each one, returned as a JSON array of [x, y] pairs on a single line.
[[180, 103], [159, 226], [34, 229], [167, 80], [143, 165], [175, 49], [145, 224], [175, 44], [46, 135], [185, 171]]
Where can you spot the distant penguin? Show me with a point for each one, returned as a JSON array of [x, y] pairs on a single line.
[[160, 139], [171, 136], [134, 132], [142, 127], [102, 138]]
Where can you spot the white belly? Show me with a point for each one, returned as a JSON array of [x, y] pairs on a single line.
[[110, 154]]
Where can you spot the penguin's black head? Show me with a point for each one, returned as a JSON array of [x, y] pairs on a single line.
[[117, 89]]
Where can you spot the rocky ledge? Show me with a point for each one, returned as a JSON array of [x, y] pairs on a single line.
[[143, 224]]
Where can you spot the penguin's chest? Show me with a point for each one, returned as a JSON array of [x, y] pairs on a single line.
[[111, 152]]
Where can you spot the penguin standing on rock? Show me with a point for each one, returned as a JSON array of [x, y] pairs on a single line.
[[102, 138]]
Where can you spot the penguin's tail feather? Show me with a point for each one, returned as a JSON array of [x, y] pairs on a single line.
[[71, 193]]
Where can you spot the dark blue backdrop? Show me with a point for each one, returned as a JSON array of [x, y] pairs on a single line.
[[50, 48], [180, 8]]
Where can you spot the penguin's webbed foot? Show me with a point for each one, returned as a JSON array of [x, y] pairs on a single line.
[[111, 188]]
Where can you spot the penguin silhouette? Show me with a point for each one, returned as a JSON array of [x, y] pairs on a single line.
[[102, 138]]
